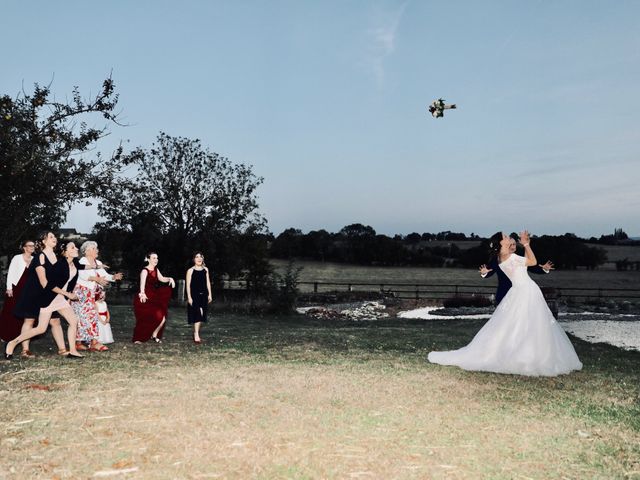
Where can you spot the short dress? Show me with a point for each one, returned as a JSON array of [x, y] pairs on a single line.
[[60, 302], [28, 303]]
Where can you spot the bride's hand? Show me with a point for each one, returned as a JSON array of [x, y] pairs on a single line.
[[524, 238]]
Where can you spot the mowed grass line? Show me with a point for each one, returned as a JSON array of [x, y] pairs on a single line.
[[291, 397]]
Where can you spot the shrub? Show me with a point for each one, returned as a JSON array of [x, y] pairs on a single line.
[[464, 301]]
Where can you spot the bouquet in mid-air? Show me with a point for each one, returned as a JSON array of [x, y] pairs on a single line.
[[438, 107]]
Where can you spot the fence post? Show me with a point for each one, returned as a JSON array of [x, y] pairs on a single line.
[[315, 287], [180, 290], [349, 289]]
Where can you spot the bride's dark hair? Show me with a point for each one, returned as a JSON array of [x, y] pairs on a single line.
[[494, 245]]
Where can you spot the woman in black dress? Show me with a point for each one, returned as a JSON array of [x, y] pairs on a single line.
[[198, 295], [55, 296], [28, 302]]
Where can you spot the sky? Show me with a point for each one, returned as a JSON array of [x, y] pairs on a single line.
[[328, 101]]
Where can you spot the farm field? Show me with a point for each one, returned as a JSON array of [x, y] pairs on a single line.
[[336, 272], [290, 397]]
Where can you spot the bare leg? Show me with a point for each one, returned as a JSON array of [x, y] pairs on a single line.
[[196, 331], [157, 330], [43, 323], [58, 334], [27, 326], [72, 330]]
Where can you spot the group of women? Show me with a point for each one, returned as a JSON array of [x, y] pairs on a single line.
[[44, 287]]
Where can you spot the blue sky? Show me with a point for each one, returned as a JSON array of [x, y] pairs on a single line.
[[327, 100]]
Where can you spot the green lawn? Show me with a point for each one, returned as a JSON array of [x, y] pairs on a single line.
[[293, 397]]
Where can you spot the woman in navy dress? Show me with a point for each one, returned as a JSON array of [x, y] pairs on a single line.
[[198, 286], [28, 302]]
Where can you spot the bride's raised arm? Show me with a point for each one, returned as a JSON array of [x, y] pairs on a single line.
[[528, 253]]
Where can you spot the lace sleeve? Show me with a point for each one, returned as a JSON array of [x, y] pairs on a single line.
[[519, 260]]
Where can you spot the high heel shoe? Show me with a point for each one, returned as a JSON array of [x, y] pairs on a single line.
[[8, 356]]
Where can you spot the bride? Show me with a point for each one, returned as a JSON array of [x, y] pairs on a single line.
[[521, 337]]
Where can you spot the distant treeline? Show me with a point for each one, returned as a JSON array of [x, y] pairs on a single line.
[[360, 244]]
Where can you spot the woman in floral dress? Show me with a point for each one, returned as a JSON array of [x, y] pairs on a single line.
[[89, 289]]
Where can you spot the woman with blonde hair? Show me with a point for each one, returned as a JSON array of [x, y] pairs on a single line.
[[89, 289]]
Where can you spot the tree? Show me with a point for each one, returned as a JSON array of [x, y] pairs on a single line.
[[193, 198], [358, 242], [42, 171]]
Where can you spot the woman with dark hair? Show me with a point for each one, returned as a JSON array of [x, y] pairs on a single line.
[[54, 298], [522, 337], [504, 284], [198, 286], [10, 325], [151, 304], [28, 302]]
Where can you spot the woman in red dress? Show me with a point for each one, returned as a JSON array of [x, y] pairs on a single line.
[[10, 325], [151, 304]]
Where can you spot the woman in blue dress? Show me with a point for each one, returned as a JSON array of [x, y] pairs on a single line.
[[198, 285]]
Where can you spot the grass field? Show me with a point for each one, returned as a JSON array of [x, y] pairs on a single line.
[[295, 398], [337, 272]]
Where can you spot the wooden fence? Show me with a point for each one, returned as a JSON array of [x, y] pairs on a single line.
[[432, 291]]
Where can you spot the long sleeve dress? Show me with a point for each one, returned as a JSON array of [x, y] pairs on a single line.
[[10, 324]]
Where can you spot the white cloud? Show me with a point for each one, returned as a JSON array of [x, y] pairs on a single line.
[[381, 39]]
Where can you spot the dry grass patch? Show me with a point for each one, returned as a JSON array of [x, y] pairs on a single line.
[[241, 418], [297, 400]]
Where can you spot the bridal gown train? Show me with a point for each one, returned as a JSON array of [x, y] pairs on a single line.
[[521, 337]]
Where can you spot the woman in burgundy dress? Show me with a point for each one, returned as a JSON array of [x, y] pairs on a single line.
[[10, 325], [151, 304]]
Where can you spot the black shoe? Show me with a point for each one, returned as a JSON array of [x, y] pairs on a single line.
[[75, 357]]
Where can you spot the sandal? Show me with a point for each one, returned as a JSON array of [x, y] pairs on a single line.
[[74, 356], [27, 354], [63, 352], [98, 347], [81, 347]]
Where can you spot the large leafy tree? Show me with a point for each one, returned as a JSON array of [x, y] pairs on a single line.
[[190, 199], [42, 167]]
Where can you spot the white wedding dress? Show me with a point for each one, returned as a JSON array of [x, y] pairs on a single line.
[[521, 337]]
